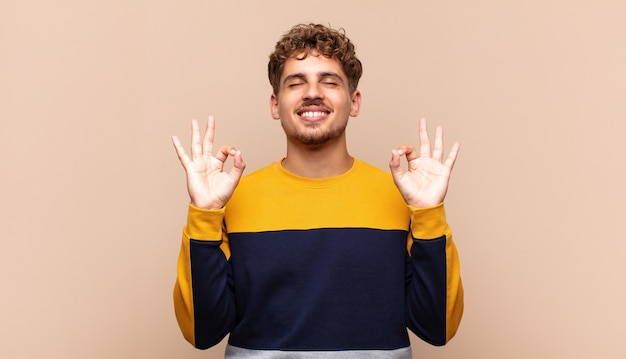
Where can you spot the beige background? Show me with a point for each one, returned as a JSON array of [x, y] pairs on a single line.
[[93, 198]]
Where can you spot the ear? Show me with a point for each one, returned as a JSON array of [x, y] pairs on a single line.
[[274, 107], [355, 106]]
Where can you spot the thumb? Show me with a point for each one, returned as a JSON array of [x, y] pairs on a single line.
[[395, 165], [238, 165]]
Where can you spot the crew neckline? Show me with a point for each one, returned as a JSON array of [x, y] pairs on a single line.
[[323, 182]]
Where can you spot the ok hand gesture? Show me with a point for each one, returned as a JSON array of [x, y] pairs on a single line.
[[208, 185], [425, 183]]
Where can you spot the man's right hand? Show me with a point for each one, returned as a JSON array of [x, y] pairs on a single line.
[[208, 185]]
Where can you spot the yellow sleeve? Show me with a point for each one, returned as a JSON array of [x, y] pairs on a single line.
[[203, 227], [435, 261]]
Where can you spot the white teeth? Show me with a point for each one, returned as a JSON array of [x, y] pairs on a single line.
[[313, 114]]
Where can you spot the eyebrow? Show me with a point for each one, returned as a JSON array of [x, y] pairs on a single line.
[[299, 76], [330, 74]]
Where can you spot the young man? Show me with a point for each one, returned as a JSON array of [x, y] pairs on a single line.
[[320, 254]]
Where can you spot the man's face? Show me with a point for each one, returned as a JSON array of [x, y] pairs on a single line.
[[314, 102]]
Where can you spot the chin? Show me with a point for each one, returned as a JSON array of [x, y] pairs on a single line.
[[318, 139]]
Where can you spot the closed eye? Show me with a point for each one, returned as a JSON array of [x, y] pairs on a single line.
[[330, 79]]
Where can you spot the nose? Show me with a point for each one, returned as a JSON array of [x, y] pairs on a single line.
[[313, 92]]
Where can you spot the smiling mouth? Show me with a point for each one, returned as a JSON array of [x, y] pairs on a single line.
[[313, 114]]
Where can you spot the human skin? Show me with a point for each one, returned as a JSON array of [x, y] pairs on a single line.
[[314, 105]]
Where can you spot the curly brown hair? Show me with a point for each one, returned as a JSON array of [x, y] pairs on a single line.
[[305, 38]]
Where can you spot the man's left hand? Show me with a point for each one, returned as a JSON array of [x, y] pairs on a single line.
[[425, 182]]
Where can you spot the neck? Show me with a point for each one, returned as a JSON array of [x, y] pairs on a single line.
[[328, 160]]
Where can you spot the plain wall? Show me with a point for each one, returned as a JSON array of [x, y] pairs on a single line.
[[93, 198]]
